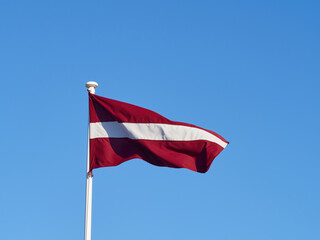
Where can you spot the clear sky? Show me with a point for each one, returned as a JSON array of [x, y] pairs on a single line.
[[248, 70]]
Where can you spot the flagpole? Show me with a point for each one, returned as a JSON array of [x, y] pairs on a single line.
[[87, 227]]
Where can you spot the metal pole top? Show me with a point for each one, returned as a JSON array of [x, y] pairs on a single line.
[[91, 86]]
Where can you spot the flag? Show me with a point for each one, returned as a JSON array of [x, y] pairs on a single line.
[[120, 131]]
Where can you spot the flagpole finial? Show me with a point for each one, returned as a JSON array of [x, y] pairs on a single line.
[[91, 86]]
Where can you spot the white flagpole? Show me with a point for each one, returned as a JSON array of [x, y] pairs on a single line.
[[87, 227]]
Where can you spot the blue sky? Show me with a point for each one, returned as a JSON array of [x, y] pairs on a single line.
[[248, 70]]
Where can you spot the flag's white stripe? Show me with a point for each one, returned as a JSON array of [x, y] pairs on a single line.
[[151, 131]]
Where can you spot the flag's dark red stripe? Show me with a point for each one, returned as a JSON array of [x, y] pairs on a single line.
[[194, 155], [107, 110]]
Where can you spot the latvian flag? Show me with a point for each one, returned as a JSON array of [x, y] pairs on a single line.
[[120, 131]]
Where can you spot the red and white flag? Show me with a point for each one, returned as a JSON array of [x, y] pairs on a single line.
[[120, 131]]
